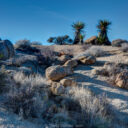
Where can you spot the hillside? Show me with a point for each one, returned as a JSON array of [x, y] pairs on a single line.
[[68, 85]]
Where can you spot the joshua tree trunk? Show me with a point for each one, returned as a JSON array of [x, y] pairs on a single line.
[[77, 39], [104, 36]]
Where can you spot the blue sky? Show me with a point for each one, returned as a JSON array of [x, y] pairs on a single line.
[[37, 20]]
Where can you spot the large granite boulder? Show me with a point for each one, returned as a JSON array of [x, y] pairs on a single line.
[[91, 40], [58, 72], [6, 49]]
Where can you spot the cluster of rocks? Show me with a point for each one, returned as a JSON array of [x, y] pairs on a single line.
[[59, 75], [115, 43], [118, 42], [94, 41]]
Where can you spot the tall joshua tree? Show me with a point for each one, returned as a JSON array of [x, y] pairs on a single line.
[[78, 27], [103, 27]]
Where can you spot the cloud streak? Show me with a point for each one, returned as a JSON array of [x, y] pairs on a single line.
[[57, 15]]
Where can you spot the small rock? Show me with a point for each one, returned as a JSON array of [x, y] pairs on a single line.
[[57, 88], [68, 82], [64, 58], [71, 63], [88, 59]]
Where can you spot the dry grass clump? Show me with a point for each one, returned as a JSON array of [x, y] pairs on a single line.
[[27, 96], [25, 46], [18, 61], [67, 49], [112, 70], [30, 97], [95, 110], [49, 55], [96, 51]]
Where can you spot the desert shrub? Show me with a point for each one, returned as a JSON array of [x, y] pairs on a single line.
[[26, 97], [30, 96], [111, 70], [23, 44], [95, 110], [18, 61], [36, 43], [96, 51], [124, 47], [3, 79], [48, 56]]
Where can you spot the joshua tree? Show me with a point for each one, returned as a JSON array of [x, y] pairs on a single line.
[[103, 27], [78, 27], [61, 40]]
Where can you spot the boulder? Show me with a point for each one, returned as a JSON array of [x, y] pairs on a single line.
[[71, 63], [91, 40], [118, 42], [68, 82], [58, 72], [57, 88], [122, 80], [86, 59], [6, 49], [62, 59]]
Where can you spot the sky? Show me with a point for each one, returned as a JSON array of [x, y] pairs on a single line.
[[37, 20]]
